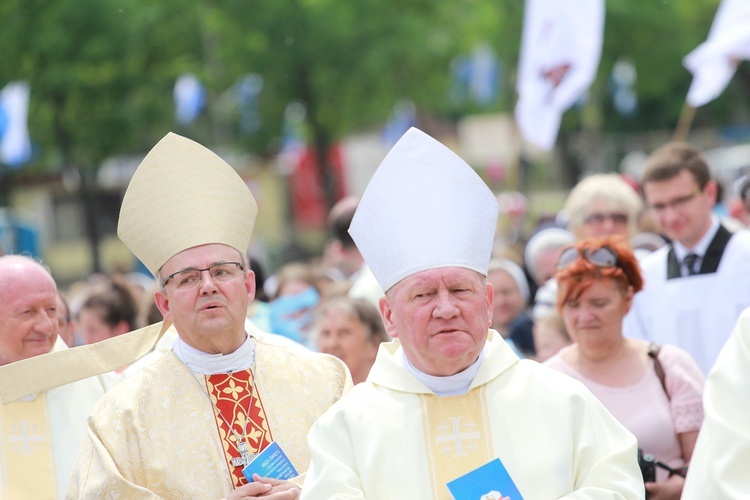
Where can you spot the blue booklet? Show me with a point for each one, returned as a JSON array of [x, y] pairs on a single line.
[[488, 482], [271, 462]]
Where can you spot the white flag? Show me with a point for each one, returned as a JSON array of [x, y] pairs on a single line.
[[714, 62], [560, 50], [15, 145]]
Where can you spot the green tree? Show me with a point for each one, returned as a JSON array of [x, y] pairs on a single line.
[[102, 72], [655, 36], [70, 53], [348, 63]]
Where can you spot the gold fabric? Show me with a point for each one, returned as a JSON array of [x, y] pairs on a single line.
[[183, 195], [41, 437], [27, 450], [40, 373], [457, 436], [154, 435]]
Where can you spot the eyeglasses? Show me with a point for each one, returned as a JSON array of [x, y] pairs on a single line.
[[675, 204], [600, 257], [598, 218], [220, 272]]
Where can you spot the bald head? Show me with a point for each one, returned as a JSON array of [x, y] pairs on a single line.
[[15, 267], [28, 309]]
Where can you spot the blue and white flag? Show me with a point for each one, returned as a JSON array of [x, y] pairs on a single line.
[[714, 62], [189, 98], [15, 145], [476, 77], [293, 142], [485, 71], [247, 91]]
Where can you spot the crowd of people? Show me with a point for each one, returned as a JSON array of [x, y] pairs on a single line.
[[414, 350]]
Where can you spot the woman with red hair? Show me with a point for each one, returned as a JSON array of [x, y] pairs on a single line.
[[654, 391]]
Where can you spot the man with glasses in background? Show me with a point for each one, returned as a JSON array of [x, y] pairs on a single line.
[[697, 286]]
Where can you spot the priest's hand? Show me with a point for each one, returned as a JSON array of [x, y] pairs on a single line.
[[280, 490], [267, 488]]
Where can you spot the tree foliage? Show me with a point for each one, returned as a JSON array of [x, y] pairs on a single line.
[[656, 36], [102, 72]]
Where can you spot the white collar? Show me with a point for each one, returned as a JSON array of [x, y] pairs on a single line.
[[207, 364], [680, 251], [452, 385]]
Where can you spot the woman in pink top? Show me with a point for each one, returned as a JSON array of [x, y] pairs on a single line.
[[597, 279]]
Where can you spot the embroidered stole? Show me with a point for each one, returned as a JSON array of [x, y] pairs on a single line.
[[457, 436], [27, 460], [231, 396]]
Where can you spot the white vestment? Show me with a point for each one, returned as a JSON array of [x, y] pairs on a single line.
[[696, 313], [720, 467], [392, 437]]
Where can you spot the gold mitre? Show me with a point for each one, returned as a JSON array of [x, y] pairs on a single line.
[[182, 196]]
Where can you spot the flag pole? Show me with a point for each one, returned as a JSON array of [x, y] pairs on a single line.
[[684, 122]]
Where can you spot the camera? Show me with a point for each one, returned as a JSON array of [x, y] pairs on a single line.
[[647, 463]]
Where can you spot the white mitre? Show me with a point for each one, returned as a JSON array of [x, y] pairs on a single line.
[[424, 208], [182, 196]]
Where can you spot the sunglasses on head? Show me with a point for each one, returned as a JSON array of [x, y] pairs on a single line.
[[600, 257]]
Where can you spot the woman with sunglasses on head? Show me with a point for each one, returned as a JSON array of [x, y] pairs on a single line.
[[657, 396]]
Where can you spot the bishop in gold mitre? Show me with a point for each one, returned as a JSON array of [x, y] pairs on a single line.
[[186, 426]]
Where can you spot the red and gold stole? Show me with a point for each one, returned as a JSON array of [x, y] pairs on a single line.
[[231, 395]]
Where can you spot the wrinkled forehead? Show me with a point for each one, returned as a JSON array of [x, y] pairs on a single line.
[[28, 292], [449, 276]]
